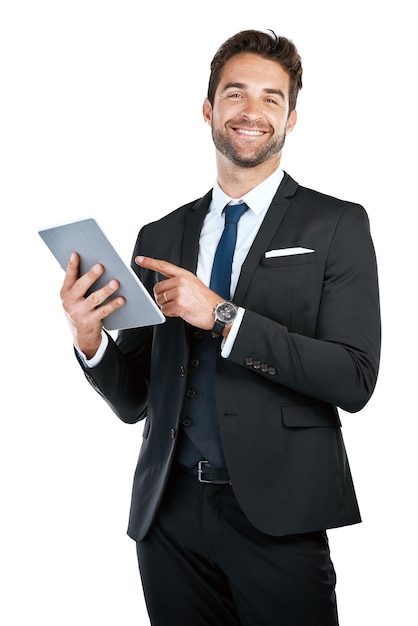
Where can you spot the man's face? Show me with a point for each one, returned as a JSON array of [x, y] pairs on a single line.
[[250, 115]]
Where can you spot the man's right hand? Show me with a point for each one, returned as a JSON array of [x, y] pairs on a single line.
[[85, 314]]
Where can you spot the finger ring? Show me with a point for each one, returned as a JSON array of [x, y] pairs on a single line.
[[165, 296]]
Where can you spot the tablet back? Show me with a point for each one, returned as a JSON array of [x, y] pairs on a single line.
[[87, 239]]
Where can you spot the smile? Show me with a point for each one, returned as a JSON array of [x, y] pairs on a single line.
[[247, 131]]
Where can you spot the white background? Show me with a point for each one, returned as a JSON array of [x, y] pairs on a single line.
[[100, 114]]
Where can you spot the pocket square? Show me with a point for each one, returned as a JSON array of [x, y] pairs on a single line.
[[287, 252]]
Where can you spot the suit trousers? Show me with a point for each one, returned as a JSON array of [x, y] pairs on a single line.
[[204, 564]]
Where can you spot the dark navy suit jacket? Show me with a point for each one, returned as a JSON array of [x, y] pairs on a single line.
[[309, 342]]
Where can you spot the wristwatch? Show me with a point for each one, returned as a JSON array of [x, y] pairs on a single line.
[[225, 313]]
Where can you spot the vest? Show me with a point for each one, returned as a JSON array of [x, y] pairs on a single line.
[[200, 435]]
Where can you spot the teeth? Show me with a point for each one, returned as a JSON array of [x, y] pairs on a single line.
[[245, 131]]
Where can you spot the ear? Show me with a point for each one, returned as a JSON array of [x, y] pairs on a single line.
[[291, 121], [207, 111]]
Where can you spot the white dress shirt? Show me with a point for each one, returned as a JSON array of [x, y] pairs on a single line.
[[258, 201]]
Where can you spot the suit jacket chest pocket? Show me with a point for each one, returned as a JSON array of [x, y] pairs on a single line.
[[288, 260]]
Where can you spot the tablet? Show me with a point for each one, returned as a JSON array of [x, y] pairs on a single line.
[[87, 239]]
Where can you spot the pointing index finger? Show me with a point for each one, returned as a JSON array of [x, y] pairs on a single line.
[[162, 267]]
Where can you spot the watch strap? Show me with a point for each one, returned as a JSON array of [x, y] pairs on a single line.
[[218, 328]]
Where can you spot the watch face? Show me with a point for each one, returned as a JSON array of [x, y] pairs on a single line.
[[226, 312]]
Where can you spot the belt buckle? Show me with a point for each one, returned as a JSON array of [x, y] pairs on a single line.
[[210, 482]]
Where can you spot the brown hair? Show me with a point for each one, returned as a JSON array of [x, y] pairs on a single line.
[[266, 45]]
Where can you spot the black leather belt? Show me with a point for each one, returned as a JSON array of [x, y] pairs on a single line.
[[205, 473]]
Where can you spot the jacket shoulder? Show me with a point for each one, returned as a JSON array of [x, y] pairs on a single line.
[[166, 234], [316, 204], [178, 215]]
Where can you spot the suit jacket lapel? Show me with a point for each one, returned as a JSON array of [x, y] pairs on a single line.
[[193, 226], [271, 223]]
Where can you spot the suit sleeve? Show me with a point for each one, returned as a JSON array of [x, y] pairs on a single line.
[[121, 377], [339, 363]]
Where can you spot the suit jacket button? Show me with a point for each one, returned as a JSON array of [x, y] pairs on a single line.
[[272, 371], [186, 422], [257, 365], [248, 361], [264, 367]]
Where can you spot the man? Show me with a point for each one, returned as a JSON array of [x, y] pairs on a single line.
[[242, 467]]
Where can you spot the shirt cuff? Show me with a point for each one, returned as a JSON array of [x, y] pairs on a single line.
[[228, 342], [99, 354]]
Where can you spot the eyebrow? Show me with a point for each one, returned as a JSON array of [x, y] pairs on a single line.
[[268, 90]]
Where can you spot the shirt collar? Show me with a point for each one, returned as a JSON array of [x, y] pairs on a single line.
[[257, 199]]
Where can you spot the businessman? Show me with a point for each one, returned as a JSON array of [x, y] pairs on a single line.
[[271, 300]]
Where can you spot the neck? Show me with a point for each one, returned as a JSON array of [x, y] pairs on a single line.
[[236, 180]]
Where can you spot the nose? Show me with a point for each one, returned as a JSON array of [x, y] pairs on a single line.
[[251, 109]]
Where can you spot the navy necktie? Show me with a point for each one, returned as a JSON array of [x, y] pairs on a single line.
[[220, 280]]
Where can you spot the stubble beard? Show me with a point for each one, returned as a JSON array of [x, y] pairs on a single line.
[[257, 156]]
